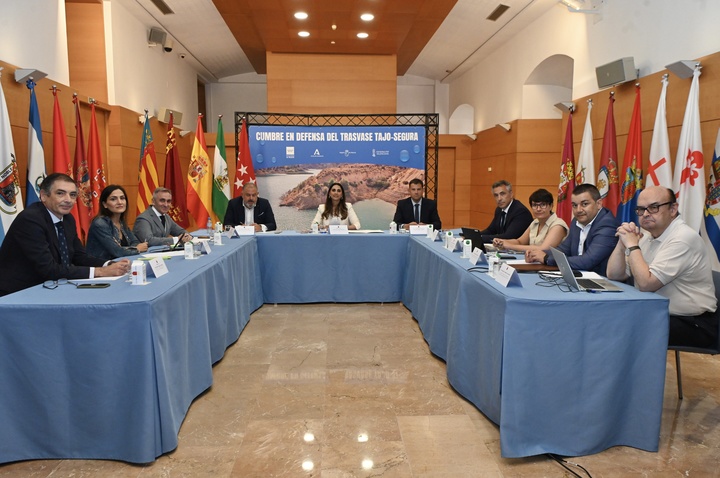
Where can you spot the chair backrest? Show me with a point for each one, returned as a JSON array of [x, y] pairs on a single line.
[[715, 349]]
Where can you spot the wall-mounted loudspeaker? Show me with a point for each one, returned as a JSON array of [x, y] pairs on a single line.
[[156, 36], [616, 72], [164, 116]]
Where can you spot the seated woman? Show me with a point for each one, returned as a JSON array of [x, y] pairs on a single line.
[[109, 236], [336, 210], [546, 231]]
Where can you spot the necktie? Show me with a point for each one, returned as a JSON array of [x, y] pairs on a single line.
[[64, 254], [162, 219], [502, 221], [417, 213]]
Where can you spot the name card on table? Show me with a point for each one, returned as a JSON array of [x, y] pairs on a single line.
[[158, 266], [338, 229], [507, 275], [206, 247], [477, 256], [453, 244], [419, 230], [245, 230], [433, 235]]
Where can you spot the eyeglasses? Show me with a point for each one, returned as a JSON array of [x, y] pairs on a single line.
[[652, 209], [539, 205], [53, 284]]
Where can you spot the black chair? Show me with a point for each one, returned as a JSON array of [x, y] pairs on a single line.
[[714, 350]]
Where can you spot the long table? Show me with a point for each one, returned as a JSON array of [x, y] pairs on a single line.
[[110, 373]]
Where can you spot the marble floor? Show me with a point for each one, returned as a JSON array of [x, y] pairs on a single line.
[[337, 390]]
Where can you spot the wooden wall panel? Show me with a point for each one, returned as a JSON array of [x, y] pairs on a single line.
[[86, 49]]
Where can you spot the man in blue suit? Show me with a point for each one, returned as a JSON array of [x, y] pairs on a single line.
[[591, 238], [416, 209], [250, 210]]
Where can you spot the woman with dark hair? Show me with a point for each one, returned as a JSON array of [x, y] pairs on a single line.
[[109, 236], [546, 231], [336, 210]]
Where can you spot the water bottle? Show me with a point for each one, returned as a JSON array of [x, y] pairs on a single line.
[[209, 226], [189, 250], [393, 228]]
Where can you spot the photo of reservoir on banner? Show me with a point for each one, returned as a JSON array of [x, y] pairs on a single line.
[[295, 166]]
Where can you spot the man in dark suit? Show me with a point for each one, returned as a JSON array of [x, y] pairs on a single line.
[[155, 226], [591, 238], [416, 209], [250, 210], [511, 216], [42, 244]]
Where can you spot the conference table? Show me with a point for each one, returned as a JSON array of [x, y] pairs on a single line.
[[110, 373]]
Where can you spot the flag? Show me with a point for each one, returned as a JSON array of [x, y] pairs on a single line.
[[245, 172], [632, 166], [689, 163], [607, 177], [659, 172], [36, 153], [96, 169], [567, 176], [147, 173], [586, 162], [82, 176], [199, 180], [61, 152], [10, 195], [174, 179], [712, 202], [221, 185]]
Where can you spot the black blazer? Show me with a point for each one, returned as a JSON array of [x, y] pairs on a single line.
[[235, 213], [517, 220], [30, 253], [405, 214]]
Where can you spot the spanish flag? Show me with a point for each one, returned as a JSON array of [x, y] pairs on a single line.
[[200, 180]]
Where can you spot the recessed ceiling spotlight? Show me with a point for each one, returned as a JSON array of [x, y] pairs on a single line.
[[301, 15], [304, 34], [367, 17], [362, 35], [333, 26], [332, 42]]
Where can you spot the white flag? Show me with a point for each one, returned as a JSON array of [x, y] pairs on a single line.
[[659, 172], [10, 196], [586, 160], [689, 177]]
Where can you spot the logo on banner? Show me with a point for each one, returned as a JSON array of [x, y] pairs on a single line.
[[317, 154], [289, 152]]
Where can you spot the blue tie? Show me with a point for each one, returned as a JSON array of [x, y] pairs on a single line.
[[64, 254], [417, 213]]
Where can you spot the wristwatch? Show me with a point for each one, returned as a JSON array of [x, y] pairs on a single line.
[[630, 249]]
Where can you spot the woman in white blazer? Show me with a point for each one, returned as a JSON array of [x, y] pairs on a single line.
[[336, 210]]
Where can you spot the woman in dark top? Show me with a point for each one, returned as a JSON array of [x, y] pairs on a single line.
[[109, 236]]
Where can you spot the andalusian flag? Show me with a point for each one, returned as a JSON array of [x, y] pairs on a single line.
[[221, 186], [147, 175], [199, 183]]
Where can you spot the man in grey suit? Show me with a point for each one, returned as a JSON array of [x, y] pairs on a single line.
[[155, 226]]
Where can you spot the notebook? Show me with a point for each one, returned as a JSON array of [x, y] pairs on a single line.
[[582, 284]]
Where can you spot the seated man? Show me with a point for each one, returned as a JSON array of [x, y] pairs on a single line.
[[511, 216], [672, 260], [416, 209], [591, 238], [250, 210], [42, 244], [155, 226]]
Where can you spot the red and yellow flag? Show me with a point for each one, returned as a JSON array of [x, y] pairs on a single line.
[[147, 174], [199, 179], [174, 178]]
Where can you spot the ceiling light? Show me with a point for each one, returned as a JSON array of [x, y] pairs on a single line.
[[304, 34], [362, 35], [301, 15], [333, 26], [367, 17], [332, 42]]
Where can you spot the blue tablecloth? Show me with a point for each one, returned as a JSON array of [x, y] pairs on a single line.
[[559, 372], [110, 373], [356, 267]]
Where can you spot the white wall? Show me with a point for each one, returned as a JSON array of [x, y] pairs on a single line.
[[33, 35], [240, 93], [654, 32]]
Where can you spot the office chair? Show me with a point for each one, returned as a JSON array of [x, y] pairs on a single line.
[[714, 350]]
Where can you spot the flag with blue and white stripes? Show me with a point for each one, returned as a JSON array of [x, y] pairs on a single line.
[[36, 153]]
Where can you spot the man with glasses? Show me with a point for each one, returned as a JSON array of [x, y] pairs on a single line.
[[672, 260], [42, 244], [591, 238]]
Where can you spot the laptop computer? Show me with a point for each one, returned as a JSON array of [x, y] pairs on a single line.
[[581, 284], [477, 241]]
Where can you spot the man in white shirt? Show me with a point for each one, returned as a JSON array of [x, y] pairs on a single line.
[[250, 210]]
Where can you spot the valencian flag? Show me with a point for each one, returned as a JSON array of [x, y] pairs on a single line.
[[712, 201], [95, 163], [36, 153], [607, 177], [585, 170], [632, 166], [147, 173], [10, 195], [221, 185], [567, 175], [61, 152], [689, 177], [245, 172], [82, 176], [199, 180], [174, 179], [659, 172]]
